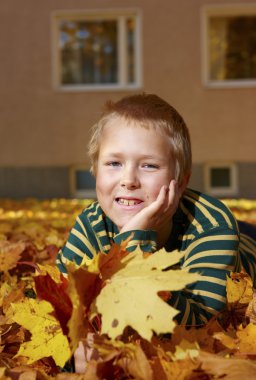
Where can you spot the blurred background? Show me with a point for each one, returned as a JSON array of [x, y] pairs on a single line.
[[62, 59]]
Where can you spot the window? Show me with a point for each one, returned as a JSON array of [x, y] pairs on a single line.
[[96, 50], [221, 179], [82, 183], [229, 45]]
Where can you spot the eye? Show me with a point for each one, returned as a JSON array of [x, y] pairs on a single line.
[[114, 163], [150, 166]]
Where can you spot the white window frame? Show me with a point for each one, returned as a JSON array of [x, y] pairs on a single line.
[[106, 14], [231, 190], [89, 193], [222, 10]]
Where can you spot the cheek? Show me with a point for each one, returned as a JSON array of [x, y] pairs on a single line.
[[153, 184], [153, 191], [105, 181], [100, 181]]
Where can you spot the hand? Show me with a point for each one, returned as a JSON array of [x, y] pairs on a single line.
[[84, 353], [79, 356], [158, 215]]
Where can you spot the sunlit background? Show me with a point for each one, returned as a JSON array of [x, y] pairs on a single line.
[[61, 60]]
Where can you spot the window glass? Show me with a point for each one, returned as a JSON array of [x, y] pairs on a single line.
[[220, 177], [88, 52], [232, 47]]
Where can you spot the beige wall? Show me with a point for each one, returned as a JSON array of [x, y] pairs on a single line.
[[40, 126]]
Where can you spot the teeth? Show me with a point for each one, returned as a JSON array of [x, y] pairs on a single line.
[[127, 202]]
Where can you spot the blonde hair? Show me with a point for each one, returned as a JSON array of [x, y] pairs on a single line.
[[148, 111]]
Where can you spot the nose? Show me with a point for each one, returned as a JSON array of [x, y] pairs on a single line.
[[129, 178]]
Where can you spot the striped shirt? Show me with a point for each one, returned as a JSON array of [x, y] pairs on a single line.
[[203, 227]]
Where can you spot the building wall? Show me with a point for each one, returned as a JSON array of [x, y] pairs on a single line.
[[45, 131]]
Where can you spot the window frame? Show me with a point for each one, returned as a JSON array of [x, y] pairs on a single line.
[[221, 10], [220, 191], [120, 15]]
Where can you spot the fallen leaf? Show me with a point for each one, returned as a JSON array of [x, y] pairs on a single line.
[[239, 288], [76, 329], [227, 368], [55, 293], [184, 350], [203, 335], [10, 254], [251, 309], [247, 339], [47, 338], [136, 364], [130, 298]]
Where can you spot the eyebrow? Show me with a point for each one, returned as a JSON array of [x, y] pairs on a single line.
[[142, 157]]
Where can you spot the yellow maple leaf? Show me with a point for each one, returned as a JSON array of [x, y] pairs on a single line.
[[247, 337], [239, 288], [47, 338], [130, 298]]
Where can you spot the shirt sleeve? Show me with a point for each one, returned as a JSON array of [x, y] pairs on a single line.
[[81, 245], [213, 255], [145, 239]]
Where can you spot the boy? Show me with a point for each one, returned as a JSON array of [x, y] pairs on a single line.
[[141, 157]]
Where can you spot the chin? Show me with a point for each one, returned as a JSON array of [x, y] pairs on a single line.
[[120, 225]]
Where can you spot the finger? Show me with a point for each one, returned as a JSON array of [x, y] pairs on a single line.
[[161, 199], [172, 191]]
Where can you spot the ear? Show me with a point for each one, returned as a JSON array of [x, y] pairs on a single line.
[[183, 184]]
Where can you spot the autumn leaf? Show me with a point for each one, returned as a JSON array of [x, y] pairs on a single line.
[[128, 357], [185, 349], [136, 364], [165, 369], [53, 271], [55, 293], [204, 336], [10, 294], [251, 309], [40, 227], [107, 264], [47, 338], [239, 294], [247, 339], [113, 261], [2, 374], [130, 297], [241, 341], [77, 320], [227, 368], [239, 289], [10, 254]]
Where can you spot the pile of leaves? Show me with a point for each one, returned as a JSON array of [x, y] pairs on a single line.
[[114, 310], [243, 209]]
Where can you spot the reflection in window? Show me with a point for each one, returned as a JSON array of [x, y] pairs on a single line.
[[232, 47], [90, 51]]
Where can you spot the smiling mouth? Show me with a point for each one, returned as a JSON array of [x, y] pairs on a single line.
[[128, 202]]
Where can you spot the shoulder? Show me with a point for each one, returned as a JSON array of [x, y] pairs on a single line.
[[204, 211], [91, 215], [92, 211]]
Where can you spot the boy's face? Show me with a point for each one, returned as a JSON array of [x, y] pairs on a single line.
[[133, 164]]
